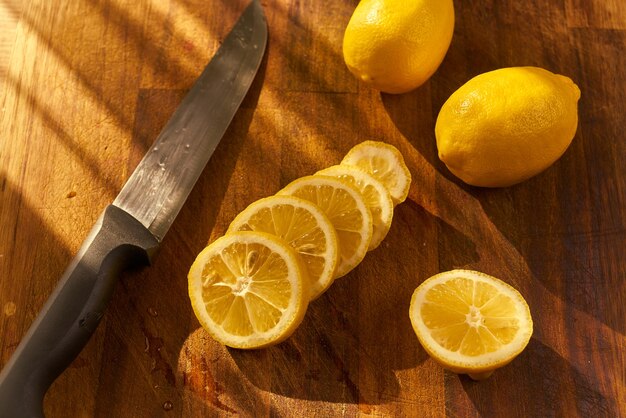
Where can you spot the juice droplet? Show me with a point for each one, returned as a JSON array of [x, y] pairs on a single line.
[[168, 406]]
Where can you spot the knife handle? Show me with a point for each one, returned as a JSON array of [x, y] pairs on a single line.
[[73, 311]]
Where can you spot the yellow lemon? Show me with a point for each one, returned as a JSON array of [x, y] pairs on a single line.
[[248, 289], [505, 126], [396, 45], [470, 322]]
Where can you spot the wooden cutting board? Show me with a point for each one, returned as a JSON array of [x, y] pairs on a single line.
[[86, 87]]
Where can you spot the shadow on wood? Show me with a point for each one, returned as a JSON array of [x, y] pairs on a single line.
[[30, 248], [566, 238], [347, 351], [549, 380]]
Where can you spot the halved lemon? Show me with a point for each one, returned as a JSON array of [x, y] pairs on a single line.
[[470, 322], [385, 163], [248, 289], [376, 197], [345, 207], [304, 226]]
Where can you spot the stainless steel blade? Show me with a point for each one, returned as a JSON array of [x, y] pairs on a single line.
[[160, 184]]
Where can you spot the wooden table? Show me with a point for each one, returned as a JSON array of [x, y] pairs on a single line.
[[87, 85]]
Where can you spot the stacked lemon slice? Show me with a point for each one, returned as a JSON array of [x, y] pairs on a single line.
[[251, 288]]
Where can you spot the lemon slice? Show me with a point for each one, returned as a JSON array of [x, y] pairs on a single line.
[[385, 163], [470, 322], [304, 226], [247, 289], [345, 207], [377, 198]]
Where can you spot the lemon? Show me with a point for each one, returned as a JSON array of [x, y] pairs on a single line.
[[507, 125], [396, 45], [385, 163], [470, 322], [248, 290], [304, 226], [346, 208], [377, 198]]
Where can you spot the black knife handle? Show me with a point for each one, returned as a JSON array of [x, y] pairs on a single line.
[[73, 311]]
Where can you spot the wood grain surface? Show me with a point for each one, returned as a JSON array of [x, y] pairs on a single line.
[[88, 84]]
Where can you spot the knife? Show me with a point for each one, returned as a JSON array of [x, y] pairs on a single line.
[[132, 227]]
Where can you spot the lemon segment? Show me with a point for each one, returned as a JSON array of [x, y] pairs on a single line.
[[248, 290], [304, 226], [470, 322], [505, 126], [377, 197], [346, 208], [385, 163]]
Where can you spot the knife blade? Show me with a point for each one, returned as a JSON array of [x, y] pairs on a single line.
[[132, 227]]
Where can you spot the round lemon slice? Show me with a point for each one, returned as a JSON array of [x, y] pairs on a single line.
[[346, 208], [247, 290], [470, 322], [376, 197], [304, 226], [385, 163]]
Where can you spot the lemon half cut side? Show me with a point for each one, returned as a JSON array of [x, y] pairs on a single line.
[[470, 322]]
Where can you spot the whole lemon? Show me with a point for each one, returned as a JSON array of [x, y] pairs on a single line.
[[396, 45], [505, 126]]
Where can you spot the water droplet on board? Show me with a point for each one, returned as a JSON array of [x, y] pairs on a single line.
[[10, 308], [152, 312], [168, 406]]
